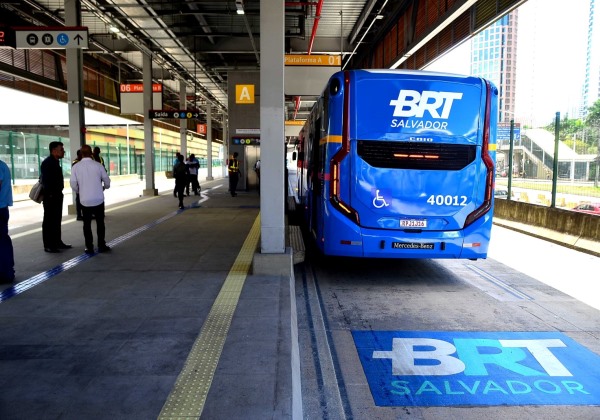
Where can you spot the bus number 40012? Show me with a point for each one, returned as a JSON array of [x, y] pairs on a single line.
[[447, 200]]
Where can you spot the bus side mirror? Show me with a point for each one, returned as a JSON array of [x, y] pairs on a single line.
[[294, 156]]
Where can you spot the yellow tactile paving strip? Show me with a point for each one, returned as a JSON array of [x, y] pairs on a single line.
[[188, 396]]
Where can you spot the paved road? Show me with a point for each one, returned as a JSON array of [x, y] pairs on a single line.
[[350, 309]]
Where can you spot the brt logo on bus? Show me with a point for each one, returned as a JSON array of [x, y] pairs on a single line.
[[415, 368], [411, 103]]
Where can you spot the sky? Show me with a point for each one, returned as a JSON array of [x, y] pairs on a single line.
[[25, 109], [551, 53]]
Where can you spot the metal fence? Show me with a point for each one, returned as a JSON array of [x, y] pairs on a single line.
[[24, 153], [540, 169]]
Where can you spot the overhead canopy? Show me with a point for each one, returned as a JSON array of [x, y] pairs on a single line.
[[196, 44], [25, 109]]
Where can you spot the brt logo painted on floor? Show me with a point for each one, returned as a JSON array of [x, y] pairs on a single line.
[[425, 368]]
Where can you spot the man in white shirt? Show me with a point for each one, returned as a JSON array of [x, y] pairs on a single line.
[[89, 179], [193, 164]]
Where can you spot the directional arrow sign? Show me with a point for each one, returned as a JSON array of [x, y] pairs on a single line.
[[40, 37]]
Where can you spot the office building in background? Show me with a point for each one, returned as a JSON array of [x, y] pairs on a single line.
[[494, 56], [591, 84]]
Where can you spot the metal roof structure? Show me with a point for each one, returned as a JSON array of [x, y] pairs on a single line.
[[199, 42]]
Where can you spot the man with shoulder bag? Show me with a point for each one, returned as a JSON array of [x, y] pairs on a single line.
[[53, 183], [37, 192]]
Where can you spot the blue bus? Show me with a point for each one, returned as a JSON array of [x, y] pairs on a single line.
[[399, 164]]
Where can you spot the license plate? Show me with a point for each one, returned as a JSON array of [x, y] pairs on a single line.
[[413, 223], [413, 245]]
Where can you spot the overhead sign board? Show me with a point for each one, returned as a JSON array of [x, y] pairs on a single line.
[[307, 75], [245, 141], [39, 37], [132, 97], [7, 37], [313, 60], [254, 131], [456, 368], [244, 94], [138, 87], [503, 132], [182, 114], [293, 127]]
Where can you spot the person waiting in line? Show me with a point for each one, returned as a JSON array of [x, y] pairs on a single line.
[[234, 173], [193, 164], [257, 170], [175, 162], [77, 159], [97, 156], [7, 257], [77, 202], [180, 173], [89, 179], [53, 183]]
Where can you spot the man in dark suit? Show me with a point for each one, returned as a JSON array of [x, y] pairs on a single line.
[[53, 182]]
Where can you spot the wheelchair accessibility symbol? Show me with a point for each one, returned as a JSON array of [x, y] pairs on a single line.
[[62, 39], [379, 201]]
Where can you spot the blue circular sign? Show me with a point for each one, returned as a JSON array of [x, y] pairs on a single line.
[[62, 39]]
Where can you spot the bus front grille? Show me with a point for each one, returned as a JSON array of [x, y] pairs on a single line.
[[427, 156]]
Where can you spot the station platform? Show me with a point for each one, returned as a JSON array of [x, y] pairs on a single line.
[[172, 323]]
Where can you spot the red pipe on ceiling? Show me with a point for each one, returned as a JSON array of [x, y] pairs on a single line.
[[297, 105], [315, 25], [310, 44], [300, 3]]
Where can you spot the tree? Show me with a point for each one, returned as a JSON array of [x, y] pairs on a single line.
[[592, 120], [585, 133], [593, 116], [570, 131]]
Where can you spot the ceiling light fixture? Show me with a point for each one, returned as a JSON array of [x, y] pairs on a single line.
[[114, 29], [378, 16], [239, 5]]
